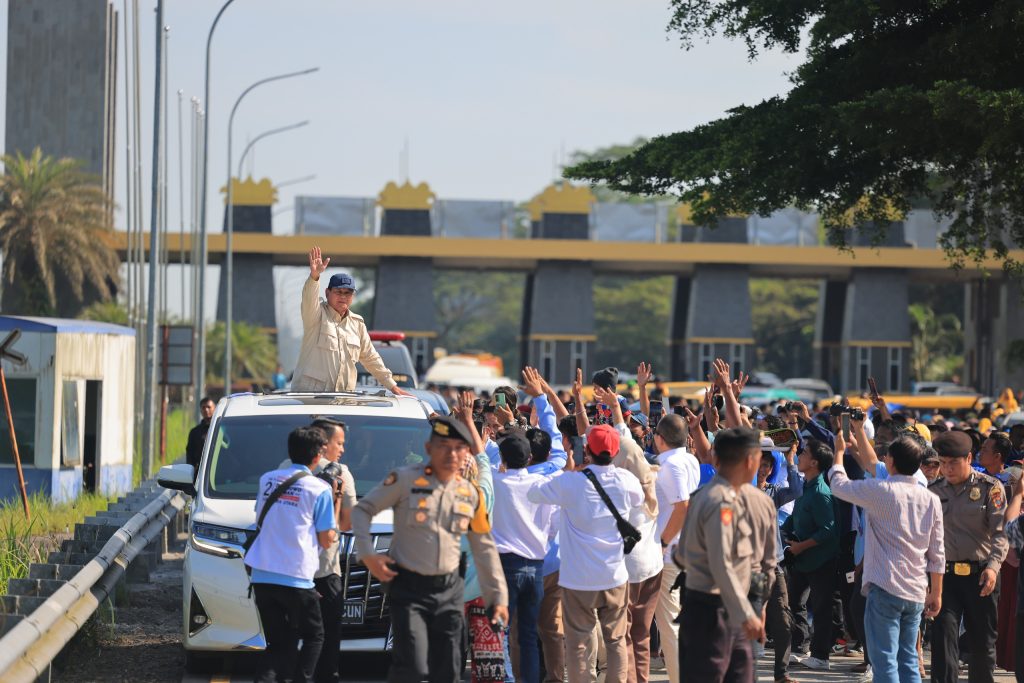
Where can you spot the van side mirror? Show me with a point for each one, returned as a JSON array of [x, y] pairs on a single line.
[[179, 477]]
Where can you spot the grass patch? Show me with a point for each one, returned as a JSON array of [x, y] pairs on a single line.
[[23, 542]]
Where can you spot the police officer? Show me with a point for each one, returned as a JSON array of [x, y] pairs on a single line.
[[728, 553], [973, 510], [433, 507]]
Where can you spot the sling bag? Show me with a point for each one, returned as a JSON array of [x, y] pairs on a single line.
[[630, 535], [271, 499]]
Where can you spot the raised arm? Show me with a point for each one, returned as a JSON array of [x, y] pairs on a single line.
[[582, 423], [700, 440], [643, 376], [724, 383], [310, 307], [556, 405]]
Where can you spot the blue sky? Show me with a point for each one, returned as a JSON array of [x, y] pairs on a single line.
[[490, 96]]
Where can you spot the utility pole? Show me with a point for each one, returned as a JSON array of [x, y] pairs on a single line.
[[154, 254]]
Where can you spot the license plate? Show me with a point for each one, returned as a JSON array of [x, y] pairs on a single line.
[[353, 612]]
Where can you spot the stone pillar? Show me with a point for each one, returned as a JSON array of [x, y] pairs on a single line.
[[718, 323], [993, 320], [828, 332], [404, 294], [253, 280], [558, 333], [876, 324], [876, 332], [678, 367]]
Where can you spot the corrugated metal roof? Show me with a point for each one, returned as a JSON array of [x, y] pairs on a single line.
[[34, 324]]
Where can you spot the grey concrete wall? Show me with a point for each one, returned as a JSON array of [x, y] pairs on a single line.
[[57, 85], [876, 306], [404, 295], [677, 328], [563, 299], [719, 302], [993, 319], [563, 370], [828, 331], [564, 226], [408, 222], [698, 367], [728, 231]]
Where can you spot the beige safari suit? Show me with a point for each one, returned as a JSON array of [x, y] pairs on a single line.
[[331, 347]]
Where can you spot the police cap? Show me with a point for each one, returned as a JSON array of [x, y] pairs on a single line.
[[450, 428], [952, 444]]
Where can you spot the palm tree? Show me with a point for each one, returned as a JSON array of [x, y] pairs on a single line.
[[253, 359], [54, 220], [937, 342]]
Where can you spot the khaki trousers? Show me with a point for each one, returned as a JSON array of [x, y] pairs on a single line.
[[643, 598], [549, 627], [581, 612], [666, 612]]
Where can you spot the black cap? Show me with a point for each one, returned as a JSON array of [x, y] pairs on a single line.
[[607, 378], [450, 428], [952, 444], [515, 449]]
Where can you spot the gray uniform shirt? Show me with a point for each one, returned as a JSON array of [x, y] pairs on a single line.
[[973, 514], [727, 534], [430, 518]]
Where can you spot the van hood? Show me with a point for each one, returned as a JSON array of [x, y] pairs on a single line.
[[241, 514]]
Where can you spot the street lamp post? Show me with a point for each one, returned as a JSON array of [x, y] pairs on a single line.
[[199, 337], [228, 255]]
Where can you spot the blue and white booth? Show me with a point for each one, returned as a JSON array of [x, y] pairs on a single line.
[[73, 403]]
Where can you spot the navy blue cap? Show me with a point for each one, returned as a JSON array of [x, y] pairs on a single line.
[[343, 281]]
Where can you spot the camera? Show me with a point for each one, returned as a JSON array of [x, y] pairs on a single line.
[[330, 473], [837, 409]]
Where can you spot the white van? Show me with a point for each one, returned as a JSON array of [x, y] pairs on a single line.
[[248, 436]]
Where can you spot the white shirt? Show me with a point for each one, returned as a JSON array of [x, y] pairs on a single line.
[[678, 478], [590, 543], [518, 525]]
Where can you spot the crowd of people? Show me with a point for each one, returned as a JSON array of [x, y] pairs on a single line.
[[549, 537]]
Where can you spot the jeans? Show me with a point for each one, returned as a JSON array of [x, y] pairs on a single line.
[[525, 582], [891, 624]]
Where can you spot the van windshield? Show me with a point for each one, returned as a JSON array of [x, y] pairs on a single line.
[[244, 448]]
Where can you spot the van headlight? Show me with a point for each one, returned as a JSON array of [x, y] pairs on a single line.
[[216, 540]]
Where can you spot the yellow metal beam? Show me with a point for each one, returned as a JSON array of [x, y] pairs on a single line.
[[514, 254]]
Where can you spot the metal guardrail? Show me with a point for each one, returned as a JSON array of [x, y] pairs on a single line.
[[27, 650]]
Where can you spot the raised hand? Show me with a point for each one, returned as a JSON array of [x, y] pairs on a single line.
[[739, 384], [532, 382], [643, 374], [317, 264], [692, 421], [722, 376], [464, 408], [577, 387]]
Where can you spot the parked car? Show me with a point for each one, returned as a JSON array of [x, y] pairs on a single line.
[[810, 390], [921, 388], [248, 436]]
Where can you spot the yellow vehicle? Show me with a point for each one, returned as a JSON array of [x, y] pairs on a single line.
[[691, 391], [945, 404]]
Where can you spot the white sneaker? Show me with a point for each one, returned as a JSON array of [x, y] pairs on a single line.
[[657, 663], [865, 677], [758, 650], [815, 663]]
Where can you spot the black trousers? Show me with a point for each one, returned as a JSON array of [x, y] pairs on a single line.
[[858, 605], [1019, 649], [331, 605], [815, 588], [960, 599], [427, 625], [719, 652], [288, 614], [779, 623]]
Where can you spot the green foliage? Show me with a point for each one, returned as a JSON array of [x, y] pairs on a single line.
[[938, 344], [54, 221], [783, 314], [105, 312], [480, 311], [631, 316], [253, 353], [23, 542], [895, 102]]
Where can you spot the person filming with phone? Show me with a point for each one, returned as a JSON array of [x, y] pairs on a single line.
[[334, 338]]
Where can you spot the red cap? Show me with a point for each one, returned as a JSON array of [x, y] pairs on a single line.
[[603, 438]]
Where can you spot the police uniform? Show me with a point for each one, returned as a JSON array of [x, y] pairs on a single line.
[[973, 515], [426, 597], [728, 539]]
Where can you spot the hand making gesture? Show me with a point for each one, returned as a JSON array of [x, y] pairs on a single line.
[[317, 264]]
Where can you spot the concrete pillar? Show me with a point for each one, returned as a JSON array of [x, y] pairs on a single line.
[[558, 333], [993, 320], [404, 294], [253, 280], [718, 323], [678, 367], [876, 332], [828, 332]]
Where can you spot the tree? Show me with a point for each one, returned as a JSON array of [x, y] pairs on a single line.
[[105, 312], [480, 311], [938, 343], [631, 316], [896, 102], [782, 315], [54, 220], [253, 353]]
